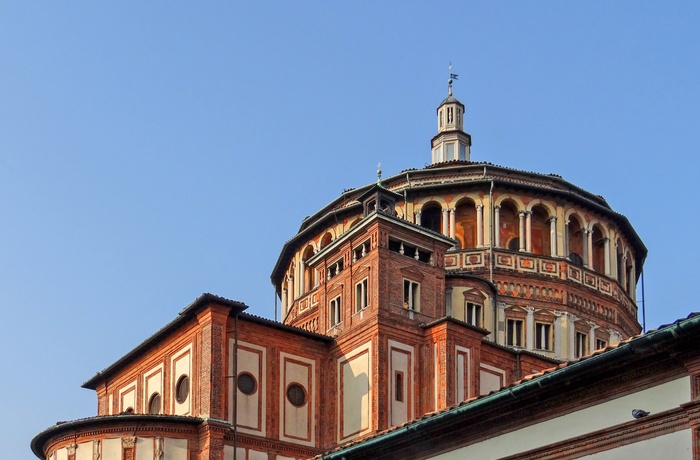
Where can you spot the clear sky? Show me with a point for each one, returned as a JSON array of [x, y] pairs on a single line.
[[153, 151]]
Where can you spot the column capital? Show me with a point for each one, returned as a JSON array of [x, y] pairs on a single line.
[[479, 207], [417, 213], [559, 313], [552, 219], [497, 207], [530, 310]]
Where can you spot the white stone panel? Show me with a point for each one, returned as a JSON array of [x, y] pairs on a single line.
[[354, 377], [657, 399], [84, 451], [181, 365], [400, 374], [257, 455], [490, 379], [463, 373], [676, 446], [111, 449], [153, 383], [127, 397], [251, 408], [297, 422], [62, 454], [144, 449], [174, 449]]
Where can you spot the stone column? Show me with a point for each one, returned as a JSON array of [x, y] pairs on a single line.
[[521, 234], [553, 236], [572, 335], [589, 240], [586, 252], [302, 277], [624, 271], [417, 217], [606, 250], [559, 319], [591, 337], [497, 225], [479, 225], [445, 221], [284, 302], [453, 222], [528, 231], [530, 328], [565, 251]]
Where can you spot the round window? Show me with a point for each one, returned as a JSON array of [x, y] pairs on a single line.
[[246, 383], [182, 389], [154, 404], [296, 394]]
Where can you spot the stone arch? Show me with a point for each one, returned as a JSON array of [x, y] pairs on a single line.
[[598, 240], [551, 210], [540, 230], [309, 281], [575, 229], [466, 223], [431, 216], [509, 225], [326, 239]]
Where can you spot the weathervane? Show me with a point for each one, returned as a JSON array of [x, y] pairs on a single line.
[[453, 76]]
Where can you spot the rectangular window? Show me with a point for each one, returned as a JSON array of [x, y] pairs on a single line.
[[515, 333], [361, 295], [599, 344], [543, 336], [581, 344], [398, 386], [411, 295], [449, 152], [472, 314], [462, 152], [334, 309]]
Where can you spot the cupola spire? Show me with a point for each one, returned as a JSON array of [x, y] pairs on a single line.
[[451, 142]]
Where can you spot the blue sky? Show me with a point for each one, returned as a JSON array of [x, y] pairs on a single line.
[[152, 151]]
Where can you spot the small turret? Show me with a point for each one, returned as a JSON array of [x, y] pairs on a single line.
[[451, 142]]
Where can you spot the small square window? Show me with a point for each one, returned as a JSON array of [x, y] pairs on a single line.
[[600, 344]]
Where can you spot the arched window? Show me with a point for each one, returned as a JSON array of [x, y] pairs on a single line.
[[540, 231], [326, 240], [509, 225], [575, 241], [598, 255], [465, 223], [431, 217], [309, 281]]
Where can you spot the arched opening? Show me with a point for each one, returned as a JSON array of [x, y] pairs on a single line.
[[598, 255], [326, 240], [465, 223], [309, 281], [431, 217], [619, 262], [575, 241], [540, 231], [509, 225]]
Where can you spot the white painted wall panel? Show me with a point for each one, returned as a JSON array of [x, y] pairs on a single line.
[[256, 455], [354, 383], [111, 449], [174, 449], [674, 446], [144, 449], [617, 411], [181, 365], [297, 422], [251, 408], [84, 451], [62, 454]]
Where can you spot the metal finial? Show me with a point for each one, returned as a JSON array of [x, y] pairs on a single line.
[[453, 76], [379, 173]]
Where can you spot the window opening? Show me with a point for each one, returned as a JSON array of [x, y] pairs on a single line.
[[334, 311], [473, 314], [296, 394], [599, 344], [411, 295], [246, 383], [361, 295], [398, 386], [543, 336], [182, 389], [581, 344], [154, 404], [515, 333]]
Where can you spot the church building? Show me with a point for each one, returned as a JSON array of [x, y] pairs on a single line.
[[424, 292]]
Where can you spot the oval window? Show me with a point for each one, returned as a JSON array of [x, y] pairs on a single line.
[[182, 389], [296, 394], [246, 383]]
